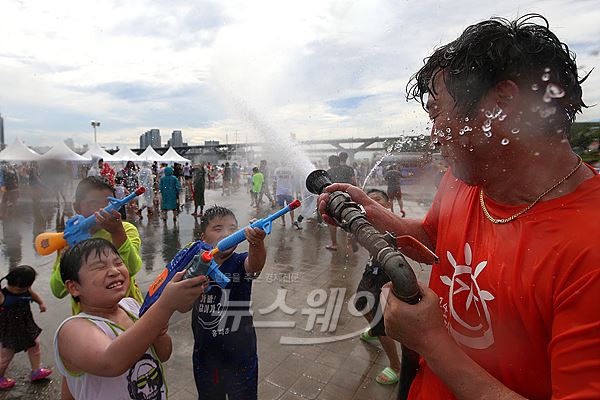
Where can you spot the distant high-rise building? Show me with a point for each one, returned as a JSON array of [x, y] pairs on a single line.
[[176, 139], [150, 138], [1, 132]]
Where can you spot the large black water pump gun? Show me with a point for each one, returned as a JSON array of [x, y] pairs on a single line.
[[351, 217]]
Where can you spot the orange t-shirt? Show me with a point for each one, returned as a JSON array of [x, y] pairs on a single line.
[[522, 299]]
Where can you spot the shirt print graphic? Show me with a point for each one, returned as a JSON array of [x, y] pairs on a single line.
[[469, 321], [212, 306], [145, 380]]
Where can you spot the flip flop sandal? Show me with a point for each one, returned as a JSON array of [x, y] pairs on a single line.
[[387, 376], [367, 337]]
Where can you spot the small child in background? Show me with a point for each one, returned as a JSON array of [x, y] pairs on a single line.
[[258, 180], [371, 284], [225, 353], [18, 330]]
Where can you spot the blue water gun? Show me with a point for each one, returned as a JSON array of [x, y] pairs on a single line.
[[78, 227], [265, 224], [197, 258]]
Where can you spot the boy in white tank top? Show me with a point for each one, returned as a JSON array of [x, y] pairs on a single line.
[[106, 351]]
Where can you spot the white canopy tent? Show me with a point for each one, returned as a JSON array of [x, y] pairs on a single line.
[[172, 156], [18, 151], [151, 155], [97, 151], [62, 152], [125, 154]]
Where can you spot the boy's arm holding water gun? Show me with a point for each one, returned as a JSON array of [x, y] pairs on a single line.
[[257, 254], [85, 348]]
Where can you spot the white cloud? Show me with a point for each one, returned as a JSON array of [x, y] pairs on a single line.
[[185, 65]]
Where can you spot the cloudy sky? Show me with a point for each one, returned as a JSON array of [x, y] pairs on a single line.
[[317, 69]]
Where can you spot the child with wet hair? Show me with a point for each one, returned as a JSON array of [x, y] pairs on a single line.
[[225, 354], [91, 196], [369, 288], [107, 351], [18, 330]]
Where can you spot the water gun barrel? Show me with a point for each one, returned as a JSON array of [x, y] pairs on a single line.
[[265, 224]]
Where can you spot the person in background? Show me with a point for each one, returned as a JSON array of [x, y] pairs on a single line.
[[170, 189], [18, 330], [394, 191]]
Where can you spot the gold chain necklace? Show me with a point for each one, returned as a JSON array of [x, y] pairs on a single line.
[[523, 211]]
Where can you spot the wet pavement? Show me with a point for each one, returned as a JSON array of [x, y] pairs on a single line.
[[315, 284]]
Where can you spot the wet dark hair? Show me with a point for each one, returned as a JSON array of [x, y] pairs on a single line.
[[73, 258], [379, 191], [91, 183], [343, 156], [255, 169], [21, 276], [497, 50], [214, 212]]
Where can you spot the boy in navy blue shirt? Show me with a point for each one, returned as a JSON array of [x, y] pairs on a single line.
[[225, 356]]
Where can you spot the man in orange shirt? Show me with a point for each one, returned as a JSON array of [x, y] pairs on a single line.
[[511, 311]]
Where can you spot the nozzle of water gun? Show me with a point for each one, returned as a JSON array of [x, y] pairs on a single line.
[[214, 251], [141, 190], [207, 257], [294, 204]]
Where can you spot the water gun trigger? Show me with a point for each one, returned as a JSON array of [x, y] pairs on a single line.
[[267, 227]]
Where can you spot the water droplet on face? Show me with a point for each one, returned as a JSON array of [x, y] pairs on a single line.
[[435, 140], [448, 130], [535, 86], [466, 119], [514, 131], [553, 91], [537, 153], [546, 77], [546, 69], [471, 149], [502, 117], [421, 137], [488, 134], [504, 142], [487, 125]]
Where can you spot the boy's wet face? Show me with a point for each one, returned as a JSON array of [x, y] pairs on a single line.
[[103, 279], [380, 198], [93, 201], [219, 228]]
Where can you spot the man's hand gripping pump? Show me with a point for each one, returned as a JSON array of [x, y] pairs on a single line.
[[351, 218]]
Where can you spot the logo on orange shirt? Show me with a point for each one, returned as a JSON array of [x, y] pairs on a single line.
[[470, 322]]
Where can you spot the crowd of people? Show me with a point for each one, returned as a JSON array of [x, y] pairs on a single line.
[[510, 311]]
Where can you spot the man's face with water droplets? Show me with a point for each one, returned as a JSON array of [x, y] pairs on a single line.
[[460, 138]]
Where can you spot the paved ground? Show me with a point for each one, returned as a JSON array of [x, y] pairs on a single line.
[[297, 264]]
